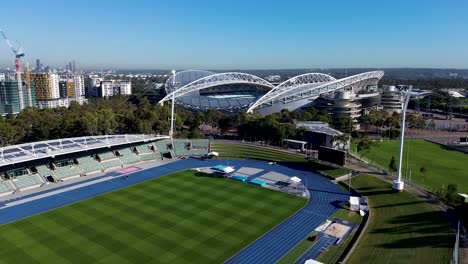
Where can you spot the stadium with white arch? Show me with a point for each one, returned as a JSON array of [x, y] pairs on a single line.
[[238, 92]]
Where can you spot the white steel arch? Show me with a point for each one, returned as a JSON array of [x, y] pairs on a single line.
[[169, 80], [218, 79], [290, 90], [288, 86]]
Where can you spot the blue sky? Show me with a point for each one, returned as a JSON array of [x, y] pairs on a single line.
[[240, 34]]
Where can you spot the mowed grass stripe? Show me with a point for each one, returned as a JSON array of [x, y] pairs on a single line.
[[245, 151], [174, 219]]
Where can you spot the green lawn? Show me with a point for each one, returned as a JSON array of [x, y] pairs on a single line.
[[229, 151], [443, 166], [402, 228], [183, 217]]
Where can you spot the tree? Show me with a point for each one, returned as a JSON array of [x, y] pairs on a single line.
[[364, 145], [392, 165], [451, 197]]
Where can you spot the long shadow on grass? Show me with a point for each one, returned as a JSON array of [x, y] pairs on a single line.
[[399, 204], [429, 229], [206, 175], [432, 241]]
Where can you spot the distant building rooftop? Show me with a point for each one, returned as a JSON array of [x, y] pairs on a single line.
[[319, 127]]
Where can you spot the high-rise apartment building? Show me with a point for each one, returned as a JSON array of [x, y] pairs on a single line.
[[48, 90], [9, 96], [47, 86], [79, 88], [98, 87]]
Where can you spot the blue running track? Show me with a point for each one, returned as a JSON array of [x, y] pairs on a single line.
[[326, 198]]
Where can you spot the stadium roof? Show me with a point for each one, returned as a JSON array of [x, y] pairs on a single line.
[[51, 148], [187, 88], [319, 127], [311, 85]]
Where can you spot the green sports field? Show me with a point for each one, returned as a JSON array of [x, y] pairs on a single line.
[[183, 217], [443, 165], [402, 228], [230, 150]]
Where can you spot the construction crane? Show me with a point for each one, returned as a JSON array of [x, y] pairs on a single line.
[[19, 54]]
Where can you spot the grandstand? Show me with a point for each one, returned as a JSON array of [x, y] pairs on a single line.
[[28, 166], [180, 148], [43, 171], [27, 182], [6, 187], [127, 156], [89, 165], [146, 151], [108, 160]]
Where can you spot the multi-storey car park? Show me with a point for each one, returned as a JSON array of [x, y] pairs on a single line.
[[236, 92]]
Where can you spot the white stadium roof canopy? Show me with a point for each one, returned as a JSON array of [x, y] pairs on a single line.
[[51, 148]]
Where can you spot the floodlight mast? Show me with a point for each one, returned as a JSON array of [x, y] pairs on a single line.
[[398, 185], [171, 132]]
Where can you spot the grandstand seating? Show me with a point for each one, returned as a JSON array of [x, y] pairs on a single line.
[[145, 153], [27, 181], [162, 145], [128, 156], [67, 172], [180, 148], [112, 163], [146, 156], [6, 187], [44, 171], [106, 155], [89, 165]]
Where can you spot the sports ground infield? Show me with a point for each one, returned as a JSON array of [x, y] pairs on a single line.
[[178, 218], [443, 165]]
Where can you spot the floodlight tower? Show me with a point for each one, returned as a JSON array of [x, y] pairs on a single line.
[[398, 184], [171, 132]]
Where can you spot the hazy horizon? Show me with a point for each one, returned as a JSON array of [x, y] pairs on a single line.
[[245, 35]]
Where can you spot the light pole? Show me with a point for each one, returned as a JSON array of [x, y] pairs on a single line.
[[171, 132], [398, 184]]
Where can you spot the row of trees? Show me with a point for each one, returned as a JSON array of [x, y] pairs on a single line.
[[117, 115], [388, 124], [121, 115]]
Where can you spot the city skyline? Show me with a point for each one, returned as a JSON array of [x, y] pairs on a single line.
[[239, 35]]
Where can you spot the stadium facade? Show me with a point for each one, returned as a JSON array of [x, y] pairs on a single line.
[[237, 92]]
